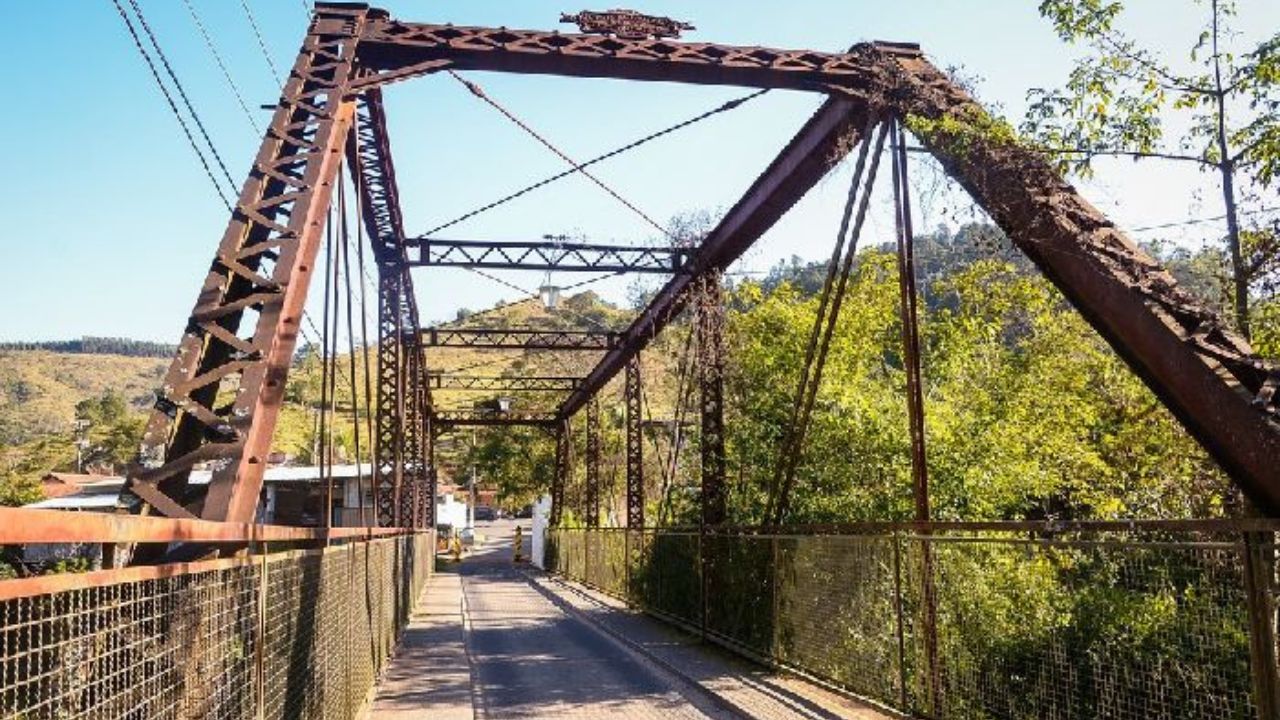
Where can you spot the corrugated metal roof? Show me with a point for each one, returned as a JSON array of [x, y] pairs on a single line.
[[101, 494]]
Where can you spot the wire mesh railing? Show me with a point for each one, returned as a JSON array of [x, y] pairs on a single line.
[[990, 621], [298, 634]]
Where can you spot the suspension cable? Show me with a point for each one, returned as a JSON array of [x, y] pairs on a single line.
[[173, 107], [364, 344], [480, 93], [324, 367], [262, 45], [784, 477], [577, 168], [684, 390], [351, 343], [217, 58], [177, 84]]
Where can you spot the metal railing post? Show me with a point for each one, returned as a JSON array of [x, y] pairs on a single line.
[[1260, 589]]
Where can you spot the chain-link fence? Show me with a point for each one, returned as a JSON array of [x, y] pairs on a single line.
[[299, 634], [1125, 622]]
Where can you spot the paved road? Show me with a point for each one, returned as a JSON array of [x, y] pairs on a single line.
[[490, 641], [531, 659]]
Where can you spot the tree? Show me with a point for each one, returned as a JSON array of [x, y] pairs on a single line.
[[1118, 96]]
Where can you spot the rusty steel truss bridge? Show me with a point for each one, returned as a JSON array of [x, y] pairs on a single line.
[[224, 389]]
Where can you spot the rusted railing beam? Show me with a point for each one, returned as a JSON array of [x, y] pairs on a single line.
[[20, 526]]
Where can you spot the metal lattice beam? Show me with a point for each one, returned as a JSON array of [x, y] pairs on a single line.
[[546, 255], [591, 499], [459, 418], [520, 339], [503, 383], [263, 263], [635, 446], [392, 47], [561, 476]]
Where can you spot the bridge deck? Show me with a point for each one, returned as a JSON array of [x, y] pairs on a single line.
[[492, 641]]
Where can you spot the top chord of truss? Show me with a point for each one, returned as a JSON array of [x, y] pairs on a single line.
[[520, 339], [546, 255]]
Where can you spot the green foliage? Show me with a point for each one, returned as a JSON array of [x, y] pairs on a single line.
[[1121, 99], [1030, 413], [98, 346]]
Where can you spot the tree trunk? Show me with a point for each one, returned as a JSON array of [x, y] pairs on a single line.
[[1239, 274]]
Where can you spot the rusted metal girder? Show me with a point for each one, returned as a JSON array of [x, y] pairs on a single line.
[[502, 383], [1209, 377], [401, 407], [223, 391], [399, 49], [591, 498], [458, 418], [518, 339], [635, 446], [546, 255], [560, 477], [21, 526], [1202, 370], [823, 141]]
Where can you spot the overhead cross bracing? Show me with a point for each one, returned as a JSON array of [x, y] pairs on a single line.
[[502, 383], [1202, 370], [519, 339], [546, 255], [227, 383]]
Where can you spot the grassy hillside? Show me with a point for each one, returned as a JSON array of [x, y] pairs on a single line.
[[39, 389]]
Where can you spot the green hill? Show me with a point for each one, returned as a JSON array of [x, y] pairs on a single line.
[[39, 389]]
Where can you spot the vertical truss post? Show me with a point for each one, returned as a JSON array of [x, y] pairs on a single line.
[[710, 324], [915, 413], [429, 457], [561, 475], [413, 477], [263, 265], [635, 446], [591, 504], [389, 446]]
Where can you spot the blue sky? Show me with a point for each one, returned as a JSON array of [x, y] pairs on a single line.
[[110, 222]]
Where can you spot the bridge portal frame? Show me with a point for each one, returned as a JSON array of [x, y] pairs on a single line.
[[1204, 372]]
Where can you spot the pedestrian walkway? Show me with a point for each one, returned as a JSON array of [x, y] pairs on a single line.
[[490, 640]]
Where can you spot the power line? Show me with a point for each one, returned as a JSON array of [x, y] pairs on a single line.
[[480, 93], [730, 105], [253, 24], [1198, 221], [164, 60], [173, 107], [217, 58]]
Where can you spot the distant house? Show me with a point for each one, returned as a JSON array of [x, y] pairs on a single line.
[[291, 495]]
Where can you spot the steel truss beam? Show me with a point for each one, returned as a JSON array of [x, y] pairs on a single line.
[[635, 446], [392, 46], [520, 339], [825, 139], [263, 264], [401, 472], [496, 383], [1206, 374], [591, 498], [560, 478], [446, 419], [1201, 370], [546, 255]]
